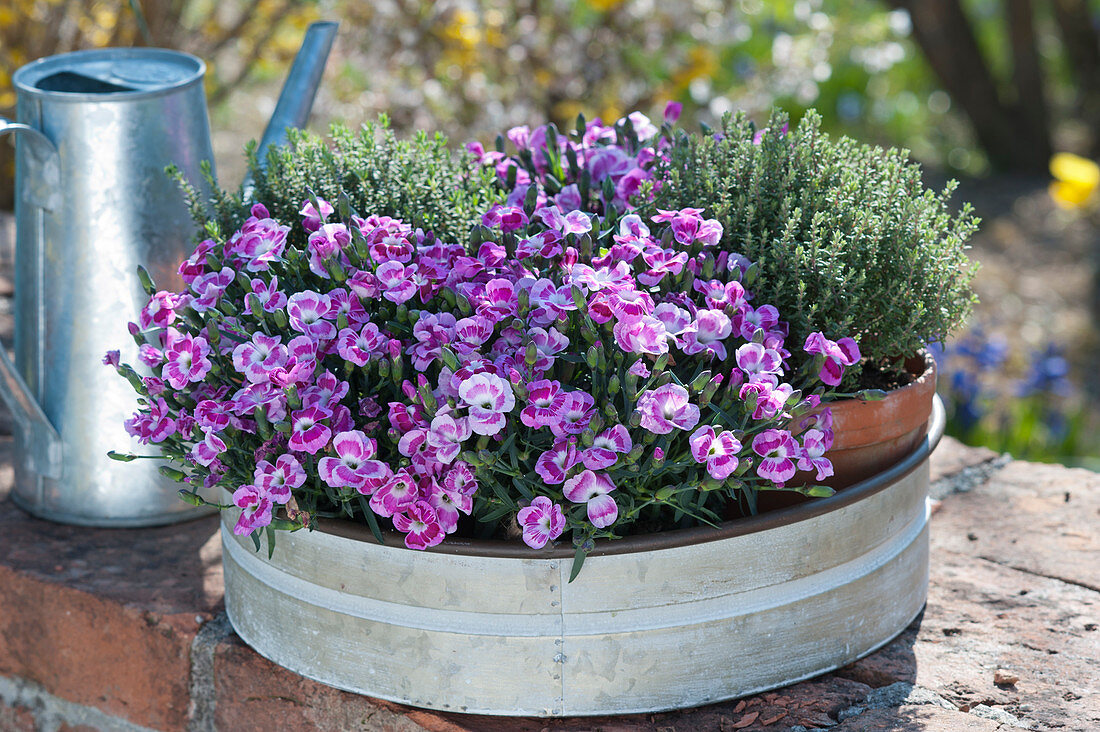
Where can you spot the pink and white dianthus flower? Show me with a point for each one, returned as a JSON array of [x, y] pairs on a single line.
[[280, 478], [186, 361], [325, 393], [642, 334], [575, 414], [156, 426], [460, 479], [667, 408], [489, 398], [718, 451], [592, 488], [554, 464], [311, 217], [256, 358], [470, 334], [548, 343], [616, 277], [542, 522], [674, 318], [432, 331], [778, 450], [754, 358], [347, 304], [207, 451], [395, 281], [838, 354], [208, 288], [544, 401], [550, 302], [396, 495], [353, 464], [630, 303], [749, 319], [420, 525], [606, 448], [447, 435], [498, 300], [308, 432], [256, 503], [160, 311], [706, 333], [449, 505], [359, 347], [212, 415], [815, 444], [267, 294], [308, 313], [661, 262]]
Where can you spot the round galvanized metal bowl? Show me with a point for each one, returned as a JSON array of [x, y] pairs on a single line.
[[652, 623]]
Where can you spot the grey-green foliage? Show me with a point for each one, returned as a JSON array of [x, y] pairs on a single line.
[[848, 239], [419, 180]]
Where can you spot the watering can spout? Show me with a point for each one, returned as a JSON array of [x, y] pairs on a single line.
[[296, 99]]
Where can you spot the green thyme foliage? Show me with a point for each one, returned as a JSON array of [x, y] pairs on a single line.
[[419, 180], [848, 239]]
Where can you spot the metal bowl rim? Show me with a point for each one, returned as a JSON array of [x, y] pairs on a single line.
[[678, 538]]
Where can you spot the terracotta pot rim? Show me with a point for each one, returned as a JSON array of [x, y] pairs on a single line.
[[679, 537]]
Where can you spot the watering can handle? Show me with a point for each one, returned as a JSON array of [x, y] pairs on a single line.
[[299, 90], [43, 453]]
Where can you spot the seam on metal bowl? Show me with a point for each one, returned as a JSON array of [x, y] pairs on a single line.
[[682, 537]]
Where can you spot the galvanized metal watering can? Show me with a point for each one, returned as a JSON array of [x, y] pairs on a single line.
[[95, 132]]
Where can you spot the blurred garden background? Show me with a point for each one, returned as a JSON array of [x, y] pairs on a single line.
[[986, 91]]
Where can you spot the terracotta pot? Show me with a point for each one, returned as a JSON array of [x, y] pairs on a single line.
[[869, 437]]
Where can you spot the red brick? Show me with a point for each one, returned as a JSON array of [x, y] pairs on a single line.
[[128, 662], [16, 719], [255, 695]]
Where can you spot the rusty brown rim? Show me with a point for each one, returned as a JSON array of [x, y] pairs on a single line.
[[680, 537]]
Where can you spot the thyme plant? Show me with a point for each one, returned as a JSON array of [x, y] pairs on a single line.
[[848, 239]]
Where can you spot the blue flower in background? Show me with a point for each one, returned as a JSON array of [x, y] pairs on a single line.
[[989, 354], [1047, 374]]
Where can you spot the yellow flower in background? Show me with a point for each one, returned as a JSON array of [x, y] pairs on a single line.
[[1076, 180]]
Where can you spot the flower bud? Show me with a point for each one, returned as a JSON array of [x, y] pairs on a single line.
[[383, 368], [636, 419], [146, 281], [212, 263], [292, 399], [190, 497], [635, 454], [463, 304], [280, 320], [398, 368], [700, 382], [592, 357], [450, 360], [523, 297], [661, 363], [172, 474], [531, 354], [227, 307], [579, 299], [588, 437], [254, 306], [665, 493], [613, 385], [342, 321]]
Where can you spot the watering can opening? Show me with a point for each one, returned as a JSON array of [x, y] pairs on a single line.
[[71, 82]]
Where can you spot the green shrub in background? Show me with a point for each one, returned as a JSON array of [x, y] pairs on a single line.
[[847, 238]]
